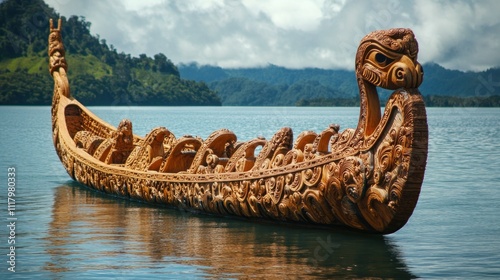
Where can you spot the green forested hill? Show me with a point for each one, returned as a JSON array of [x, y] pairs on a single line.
[[98, 74]]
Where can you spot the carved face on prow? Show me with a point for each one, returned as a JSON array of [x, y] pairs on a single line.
[[388, 59]]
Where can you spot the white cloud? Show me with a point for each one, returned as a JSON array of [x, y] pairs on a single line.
[[134, 5], [460, 34], [285, 14], [316, 33]]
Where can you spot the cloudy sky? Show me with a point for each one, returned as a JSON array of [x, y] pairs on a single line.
[[463, 35]]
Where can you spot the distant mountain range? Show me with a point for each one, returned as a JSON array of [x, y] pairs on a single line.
[[274, 85], [100, 75]]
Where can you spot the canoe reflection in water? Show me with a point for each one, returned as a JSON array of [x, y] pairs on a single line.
[[93, 233]]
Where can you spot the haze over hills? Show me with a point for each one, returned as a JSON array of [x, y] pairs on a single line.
[[100, 75]]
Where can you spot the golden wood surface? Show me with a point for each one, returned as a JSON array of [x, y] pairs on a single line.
[[367, 178]]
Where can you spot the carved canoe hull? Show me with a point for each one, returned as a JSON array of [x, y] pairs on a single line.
[[369, 183]]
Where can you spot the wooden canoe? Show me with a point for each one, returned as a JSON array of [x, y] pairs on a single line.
[[367, 178]]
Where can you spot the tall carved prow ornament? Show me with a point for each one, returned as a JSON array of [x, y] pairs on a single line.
[[387, 59], [57, 60]]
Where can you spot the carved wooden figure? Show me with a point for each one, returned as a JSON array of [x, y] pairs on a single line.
[[367, 178]]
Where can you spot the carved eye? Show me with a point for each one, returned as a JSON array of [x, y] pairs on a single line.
[[381, 59]]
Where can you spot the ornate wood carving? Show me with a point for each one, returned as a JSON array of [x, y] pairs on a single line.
[[367, 178]]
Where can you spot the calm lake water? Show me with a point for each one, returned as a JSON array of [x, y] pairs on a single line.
[[64, 230]]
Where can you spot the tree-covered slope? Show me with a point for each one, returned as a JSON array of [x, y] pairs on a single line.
[[98, 73]]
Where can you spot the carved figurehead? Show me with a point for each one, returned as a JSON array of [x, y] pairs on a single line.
[[387, 59]]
